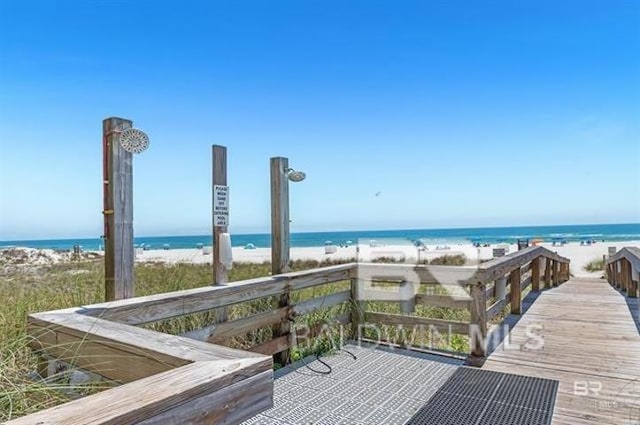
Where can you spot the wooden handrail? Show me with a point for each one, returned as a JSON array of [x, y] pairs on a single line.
[[94, 337], [620, 270], [102, 338], [510, 270], [152, 308], [631, 254], [499, 267]]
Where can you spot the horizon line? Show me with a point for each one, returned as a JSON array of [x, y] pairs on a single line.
[[337, 231]]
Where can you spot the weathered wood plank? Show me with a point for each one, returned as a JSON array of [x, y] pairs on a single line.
[[136, 341], [412, 273], [495, 309], [405, 320], [164, 392], [140, 310], [588, 335], [446, 301], [273, 346], [223, 331], [326, 301], [228, 406], [631, 254], [496, 268]]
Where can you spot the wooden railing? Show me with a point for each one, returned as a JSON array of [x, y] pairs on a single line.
[[502, 281], [623, 270], [197, 377], [182, 379]]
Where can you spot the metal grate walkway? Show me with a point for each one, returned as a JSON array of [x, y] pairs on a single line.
[[474, 397], [381, 386]]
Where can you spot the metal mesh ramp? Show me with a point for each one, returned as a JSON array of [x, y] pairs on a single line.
[[478, 397], [381, 386]]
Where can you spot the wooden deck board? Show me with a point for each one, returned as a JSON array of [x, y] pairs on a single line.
[[591, 346]]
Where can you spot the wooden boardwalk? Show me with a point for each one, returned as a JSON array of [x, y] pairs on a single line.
[[591, 344]]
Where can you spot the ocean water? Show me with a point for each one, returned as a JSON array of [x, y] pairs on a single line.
[[607, 232]]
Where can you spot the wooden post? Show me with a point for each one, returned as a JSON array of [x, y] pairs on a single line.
[[407, 298], [280, 239], [516, 291], [547, 273], [218, 178], [501, 288], [535, 274], [611, 276], [626, 274], [564, 273], [357, 307], [618, 274], [633, 293], [478, 328], [555, 273], [279, 216], [629, 277], [118, 212]]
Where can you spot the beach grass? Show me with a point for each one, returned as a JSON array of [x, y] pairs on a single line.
[[595, 265], [26, 290]]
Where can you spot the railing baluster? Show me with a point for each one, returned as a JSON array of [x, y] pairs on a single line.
[[516, 291], [357, 307], [501, 288], [634, 283], [547, 273], [478, 328], [535, 274]]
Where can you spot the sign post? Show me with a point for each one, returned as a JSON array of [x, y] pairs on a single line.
[[220, 209]]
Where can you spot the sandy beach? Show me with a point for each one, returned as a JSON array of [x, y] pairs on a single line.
[[580, 255]]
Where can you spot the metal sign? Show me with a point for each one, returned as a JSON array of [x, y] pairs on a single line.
[[499, 252], [220, 205]]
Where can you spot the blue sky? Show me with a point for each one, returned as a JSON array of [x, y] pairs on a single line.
[[459, 113]]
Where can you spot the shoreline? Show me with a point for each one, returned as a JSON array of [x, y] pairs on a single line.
[[580, 255], [607, 233]]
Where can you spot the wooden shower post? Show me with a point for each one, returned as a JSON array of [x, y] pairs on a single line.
[[118, 212]]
